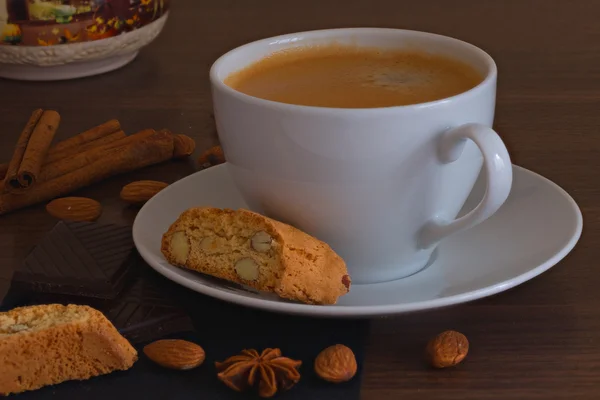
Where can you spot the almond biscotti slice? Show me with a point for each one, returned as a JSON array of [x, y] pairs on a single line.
[[49, 344], [248, 248]]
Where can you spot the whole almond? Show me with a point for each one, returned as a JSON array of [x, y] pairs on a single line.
[[336, 364], [175, 354], [75, 209], [184, 146], [139, 192]]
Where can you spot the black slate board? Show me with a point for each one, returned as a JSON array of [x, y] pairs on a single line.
[[223, 330]]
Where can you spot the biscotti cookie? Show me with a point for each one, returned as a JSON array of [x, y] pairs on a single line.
[[248, 248], [49, 344]]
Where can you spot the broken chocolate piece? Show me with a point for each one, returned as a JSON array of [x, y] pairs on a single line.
[[79, 258], [144, 313], [96, 264]]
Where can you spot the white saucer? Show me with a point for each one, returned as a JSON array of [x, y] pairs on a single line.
[[537, 227]]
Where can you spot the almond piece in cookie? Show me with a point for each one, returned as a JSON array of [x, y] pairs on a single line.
[[248, 248]]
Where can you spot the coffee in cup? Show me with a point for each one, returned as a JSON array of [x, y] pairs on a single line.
[[354, 77]]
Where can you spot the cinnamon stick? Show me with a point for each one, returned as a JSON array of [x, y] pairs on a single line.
[[154, 149], [37, 148], [11, 179], [69, 164], [54, 155], [53, 158], [88, 136], [98, 135]]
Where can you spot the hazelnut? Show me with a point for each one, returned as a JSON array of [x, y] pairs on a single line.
[[447, 349], [336, 364], [261, 241], [208, 243], [180, 247], [247, 269], [212, 156]]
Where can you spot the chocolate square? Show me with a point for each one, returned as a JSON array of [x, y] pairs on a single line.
[[144, 312], [79, 258]]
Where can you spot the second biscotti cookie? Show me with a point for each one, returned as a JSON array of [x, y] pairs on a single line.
[[248, 248], [49, 344]]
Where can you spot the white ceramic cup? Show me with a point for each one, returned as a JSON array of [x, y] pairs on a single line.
[[382, 186]]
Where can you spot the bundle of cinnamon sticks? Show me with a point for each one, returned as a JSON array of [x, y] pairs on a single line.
[[39, 172]]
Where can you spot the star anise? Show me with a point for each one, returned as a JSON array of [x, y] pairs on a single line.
[[269, 370]]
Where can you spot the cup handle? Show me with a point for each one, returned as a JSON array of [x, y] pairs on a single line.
[[498, 169]]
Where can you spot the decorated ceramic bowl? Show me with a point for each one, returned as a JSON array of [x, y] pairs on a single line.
[[63, 39]]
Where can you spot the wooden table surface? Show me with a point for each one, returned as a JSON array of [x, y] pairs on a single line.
[[540, 340]]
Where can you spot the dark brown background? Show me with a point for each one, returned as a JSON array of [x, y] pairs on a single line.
[[538, 341]]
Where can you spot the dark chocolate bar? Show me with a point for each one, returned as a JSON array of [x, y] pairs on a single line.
[[145, 313], [79, 258]]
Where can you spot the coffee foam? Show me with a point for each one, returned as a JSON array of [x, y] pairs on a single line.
[[354, 77]]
